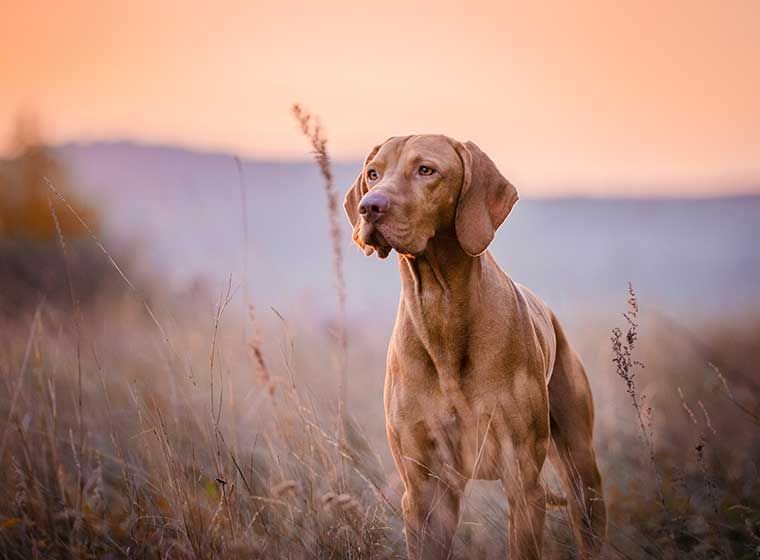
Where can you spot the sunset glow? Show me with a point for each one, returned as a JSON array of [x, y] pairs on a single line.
[[575, 98]]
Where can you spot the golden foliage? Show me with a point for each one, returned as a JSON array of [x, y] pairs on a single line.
[[24, 195]]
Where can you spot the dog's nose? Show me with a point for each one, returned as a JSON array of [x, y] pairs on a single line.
[[373, 205]]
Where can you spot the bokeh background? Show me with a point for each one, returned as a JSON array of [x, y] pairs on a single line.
[[167, 290]]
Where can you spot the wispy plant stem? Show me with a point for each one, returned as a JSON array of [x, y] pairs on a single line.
[[312, 129], [251, 340], [623, 345]]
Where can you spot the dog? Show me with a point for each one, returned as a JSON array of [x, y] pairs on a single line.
[[481, 381]]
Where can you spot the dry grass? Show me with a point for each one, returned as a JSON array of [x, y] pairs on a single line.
[[155, 458], [136, 457], [702, 497]]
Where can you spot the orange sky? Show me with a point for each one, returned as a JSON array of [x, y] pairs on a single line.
[[582, 97]]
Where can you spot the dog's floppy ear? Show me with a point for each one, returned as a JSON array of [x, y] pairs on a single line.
[[353, 196], [485, 200]]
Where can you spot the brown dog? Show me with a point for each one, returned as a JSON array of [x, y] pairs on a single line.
[[481, 381]]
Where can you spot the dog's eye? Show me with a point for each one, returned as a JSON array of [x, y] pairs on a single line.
[[425, 170], [371, 175]]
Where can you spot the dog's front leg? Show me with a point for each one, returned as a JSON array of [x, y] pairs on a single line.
[[431, 499], [526, 497], [527, 508], [431, 510]]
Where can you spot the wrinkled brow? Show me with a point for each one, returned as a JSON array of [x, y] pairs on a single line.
[[426, 157]]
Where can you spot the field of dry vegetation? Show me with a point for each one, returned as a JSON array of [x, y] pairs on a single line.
[[145, 424]]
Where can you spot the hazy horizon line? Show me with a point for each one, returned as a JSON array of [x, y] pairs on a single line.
[[574, 189]]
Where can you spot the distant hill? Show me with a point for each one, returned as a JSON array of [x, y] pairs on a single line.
[[686, 256]]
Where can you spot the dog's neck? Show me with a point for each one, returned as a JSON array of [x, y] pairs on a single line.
[[440, 289], [441, 270]]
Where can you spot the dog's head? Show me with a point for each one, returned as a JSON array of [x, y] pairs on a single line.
[[413, 188]]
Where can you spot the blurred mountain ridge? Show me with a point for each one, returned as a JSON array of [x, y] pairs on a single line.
[[686, 255]]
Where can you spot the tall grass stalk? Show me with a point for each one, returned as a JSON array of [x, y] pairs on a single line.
[[752, 416], [312, 129], [251, 340], [244, 223], [78, 450], [111, 260]]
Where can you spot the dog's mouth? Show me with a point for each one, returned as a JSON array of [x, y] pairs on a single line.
[[373, 240]]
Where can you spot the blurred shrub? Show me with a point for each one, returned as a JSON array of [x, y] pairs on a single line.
[[24, 195], [32, 263]]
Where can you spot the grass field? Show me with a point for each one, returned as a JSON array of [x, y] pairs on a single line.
[[122, 436]]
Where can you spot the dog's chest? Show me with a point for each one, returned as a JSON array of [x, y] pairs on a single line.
[[459, 399], [455, 438]]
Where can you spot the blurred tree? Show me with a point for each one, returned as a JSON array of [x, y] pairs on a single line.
[[32, 265], [24, 209]]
